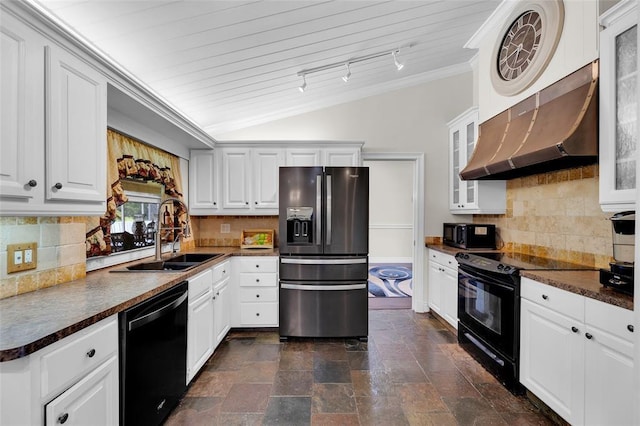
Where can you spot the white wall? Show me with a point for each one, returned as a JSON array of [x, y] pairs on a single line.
[[406, 120], [577, 47]]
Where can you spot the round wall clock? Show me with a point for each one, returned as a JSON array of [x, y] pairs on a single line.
[[526, 45]]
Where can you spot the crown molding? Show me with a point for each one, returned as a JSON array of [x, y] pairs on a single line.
[[495, 20]]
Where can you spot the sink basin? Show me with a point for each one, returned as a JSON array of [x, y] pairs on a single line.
[[182, 262]]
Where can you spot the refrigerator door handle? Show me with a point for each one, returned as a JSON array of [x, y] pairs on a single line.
[[318, 217], [311, 287], [328, 210], [296, 261]]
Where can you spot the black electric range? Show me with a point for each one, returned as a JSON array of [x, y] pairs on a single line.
[[489, 308]]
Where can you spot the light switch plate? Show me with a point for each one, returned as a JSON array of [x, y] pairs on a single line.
[[22, 257], [225, 228]]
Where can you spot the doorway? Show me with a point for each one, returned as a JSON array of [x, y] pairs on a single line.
[[395, 230]]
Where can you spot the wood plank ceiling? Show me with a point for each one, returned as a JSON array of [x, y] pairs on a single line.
[[231, 64]]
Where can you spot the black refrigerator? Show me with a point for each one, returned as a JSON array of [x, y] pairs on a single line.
[[324, 246]]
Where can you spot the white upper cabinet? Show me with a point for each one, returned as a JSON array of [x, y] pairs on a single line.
[[203, 182], [54, 122], [242, 177], [304, 157], [266, 163], [618, 106], [76, 123], [236, 178], [471, 196]]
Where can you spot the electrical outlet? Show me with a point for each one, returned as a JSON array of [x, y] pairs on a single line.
[[225, 228], [21, 257]]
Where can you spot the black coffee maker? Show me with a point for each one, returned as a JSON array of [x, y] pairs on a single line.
[[620, 274]]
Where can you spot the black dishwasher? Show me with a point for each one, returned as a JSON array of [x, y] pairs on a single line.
[[153, 357]]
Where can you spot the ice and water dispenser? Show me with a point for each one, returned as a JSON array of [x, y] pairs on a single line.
[[300, 225]]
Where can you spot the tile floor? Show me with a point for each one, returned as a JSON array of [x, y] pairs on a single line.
[[410, 372]]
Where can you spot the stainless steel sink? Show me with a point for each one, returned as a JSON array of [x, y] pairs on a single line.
[[182, 262]]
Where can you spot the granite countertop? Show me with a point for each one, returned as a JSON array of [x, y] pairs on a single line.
[[585, 283], [31, 321]]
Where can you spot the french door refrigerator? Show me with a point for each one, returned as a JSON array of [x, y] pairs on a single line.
[[324, 246]]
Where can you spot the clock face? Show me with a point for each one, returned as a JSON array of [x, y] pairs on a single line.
[[519, 45]]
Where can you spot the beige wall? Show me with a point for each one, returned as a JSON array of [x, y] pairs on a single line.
[[407, 120]]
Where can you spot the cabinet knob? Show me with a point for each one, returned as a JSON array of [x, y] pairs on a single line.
[[257, 280], [58, 185], [63, 418], [588, 336], [545, 297], [32, 183], [91, 353], [257, 266], [246, 202], [217, 293], [630, 327], [215, 204], [257, 314], [224, 271], [258, 296], [255, 202], [574, 329]]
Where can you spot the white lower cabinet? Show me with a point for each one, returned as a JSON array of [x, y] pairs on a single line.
[[74, 379], [443, 286], [200, 322], [91, 401], [257, 296], [221, 301], [576, 355]]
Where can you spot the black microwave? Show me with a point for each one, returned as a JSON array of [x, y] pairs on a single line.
[[469, 235]]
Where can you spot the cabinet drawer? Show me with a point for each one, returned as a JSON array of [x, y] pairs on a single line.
[[259, 294], [221, 271], [553, 298], [258, 279], [258, 264], [442, 258], [610, 318], [200, 284], [78, 354], [259, 313]]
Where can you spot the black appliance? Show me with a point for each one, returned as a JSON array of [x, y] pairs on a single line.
[[469, 235], [153, 357], [620, 274], [324, 246], [489, 308]]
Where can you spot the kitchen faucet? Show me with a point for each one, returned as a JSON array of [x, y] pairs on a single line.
[[185, 232]]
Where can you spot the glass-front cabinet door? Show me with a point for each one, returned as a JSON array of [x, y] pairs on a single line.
[[618, 106], [470, 196]]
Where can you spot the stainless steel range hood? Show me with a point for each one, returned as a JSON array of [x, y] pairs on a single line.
[[556, 128]]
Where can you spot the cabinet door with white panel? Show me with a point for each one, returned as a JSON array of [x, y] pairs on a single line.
[[222, 300], [200, 322], [472, 196], [306, 156], [618, 106], [236, 178], [266, 164], [203, 182], [341, 157], [54, 122]]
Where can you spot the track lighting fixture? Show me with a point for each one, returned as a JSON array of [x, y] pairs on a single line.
[[346, 77], [399, 65], [303, 86]]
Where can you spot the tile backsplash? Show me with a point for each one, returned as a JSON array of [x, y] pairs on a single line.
[[556, 215], [61, 252], [208, 229]]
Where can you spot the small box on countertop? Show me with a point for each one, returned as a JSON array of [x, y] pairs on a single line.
[[257, 238]]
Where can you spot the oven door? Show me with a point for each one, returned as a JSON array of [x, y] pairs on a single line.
[[488, 306]]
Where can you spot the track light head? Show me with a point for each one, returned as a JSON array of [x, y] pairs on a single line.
[[303, 86], [346, 77], [398, 64]]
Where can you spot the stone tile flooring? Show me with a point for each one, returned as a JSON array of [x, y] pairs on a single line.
[[410, 372]]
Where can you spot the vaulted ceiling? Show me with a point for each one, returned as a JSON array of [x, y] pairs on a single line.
[[231, 64]]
